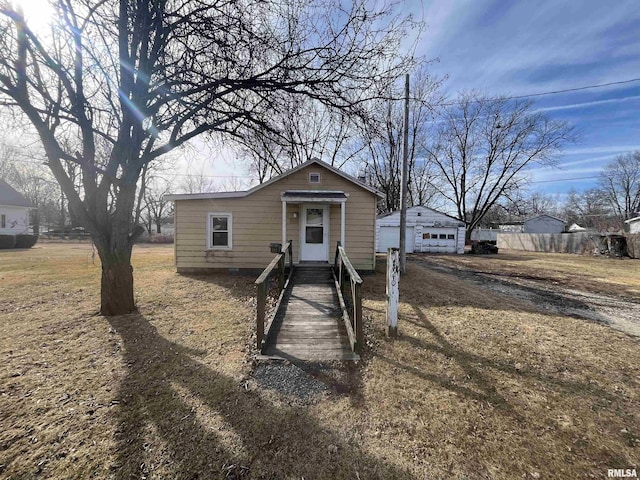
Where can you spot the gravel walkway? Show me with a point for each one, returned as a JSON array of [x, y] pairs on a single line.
[[290, 381]]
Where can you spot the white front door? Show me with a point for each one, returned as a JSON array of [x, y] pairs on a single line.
[[314, 233]]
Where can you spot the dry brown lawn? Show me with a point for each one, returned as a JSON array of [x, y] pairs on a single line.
[[478, 386]]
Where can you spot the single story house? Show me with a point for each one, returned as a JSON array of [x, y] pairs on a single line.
[[633, 224], [315, 205], [14, 211], [428, 231], [544, 224]]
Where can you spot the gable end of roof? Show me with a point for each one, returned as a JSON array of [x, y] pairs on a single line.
[[9, 196], [346, 176]]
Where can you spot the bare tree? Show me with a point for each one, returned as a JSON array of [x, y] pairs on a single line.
[[147, 76], [157, 209], [520, 206], [37, 185], [304, 128], [196, 182], [525, 203], [590, 209], [8, 153], [620, 184], [384, 139], [23, 168], [484, 146], [538, 203]]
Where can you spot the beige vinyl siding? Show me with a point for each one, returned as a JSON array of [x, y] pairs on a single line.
[[257, 222]]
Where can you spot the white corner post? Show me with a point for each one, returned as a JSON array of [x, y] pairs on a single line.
[[393, 290], [284, 223], [343, 224]]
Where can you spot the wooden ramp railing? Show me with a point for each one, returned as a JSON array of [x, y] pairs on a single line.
[[345, 277], [262, 283]]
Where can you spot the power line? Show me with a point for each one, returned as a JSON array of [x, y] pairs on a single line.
[[204, 176], [539, 94], [575, 89], [564, 179]]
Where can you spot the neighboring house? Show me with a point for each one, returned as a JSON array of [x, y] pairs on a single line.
[[576, 228], [14, 211], [633, 224], [315, 205], [544, 224], [428, 231]]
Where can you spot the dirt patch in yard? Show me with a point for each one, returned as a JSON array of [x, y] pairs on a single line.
[[578, 295]]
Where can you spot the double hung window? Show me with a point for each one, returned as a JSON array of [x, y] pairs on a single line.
[[220, 231]]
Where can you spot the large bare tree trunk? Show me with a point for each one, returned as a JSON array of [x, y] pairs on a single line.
[[116, 294], [467, 235]]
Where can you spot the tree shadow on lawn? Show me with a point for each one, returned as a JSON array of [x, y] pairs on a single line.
[[179, 418], [470, 363]]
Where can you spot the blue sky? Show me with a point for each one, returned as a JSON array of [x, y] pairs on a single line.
[[525, 47]]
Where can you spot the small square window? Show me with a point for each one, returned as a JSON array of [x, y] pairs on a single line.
[[426, 236], [314, 178], [451, 236], [443, 236]]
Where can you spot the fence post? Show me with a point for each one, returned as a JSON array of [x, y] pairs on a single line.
[[393, 291], [357, 315], [261, 303]]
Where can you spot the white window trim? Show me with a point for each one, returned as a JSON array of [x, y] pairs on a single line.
[[319, 178], [229, 216]]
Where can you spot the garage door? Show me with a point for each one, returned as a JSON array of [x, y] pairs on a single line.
[[390, 238], [439, 240]]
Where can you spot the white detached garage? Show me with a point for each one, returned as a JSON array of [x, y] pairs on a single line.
[[428, 231]]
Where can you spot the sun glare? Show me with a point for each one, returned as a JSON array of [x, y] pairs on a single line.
[[38, 14]]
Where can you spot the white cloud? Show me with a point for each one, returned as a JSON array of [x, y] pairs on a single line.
[[589, 104], [502, 46], [605, 149]]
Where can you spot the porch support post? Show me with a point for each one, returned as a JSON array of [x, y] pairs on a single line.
[[342, 224], [284, 222]]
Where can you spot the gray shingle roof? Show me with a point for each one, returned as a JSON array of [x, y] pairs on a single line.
[[9, 196]]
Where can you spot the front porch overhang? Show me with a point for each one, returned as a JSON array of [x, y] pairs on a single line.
[[314, 196]]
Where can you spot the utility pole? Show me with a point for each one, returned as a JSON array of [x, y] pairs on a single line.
[[403, 180]]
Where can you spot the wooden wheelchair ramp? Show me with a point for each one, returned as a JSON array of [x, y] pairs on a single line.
[[308, 324]]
